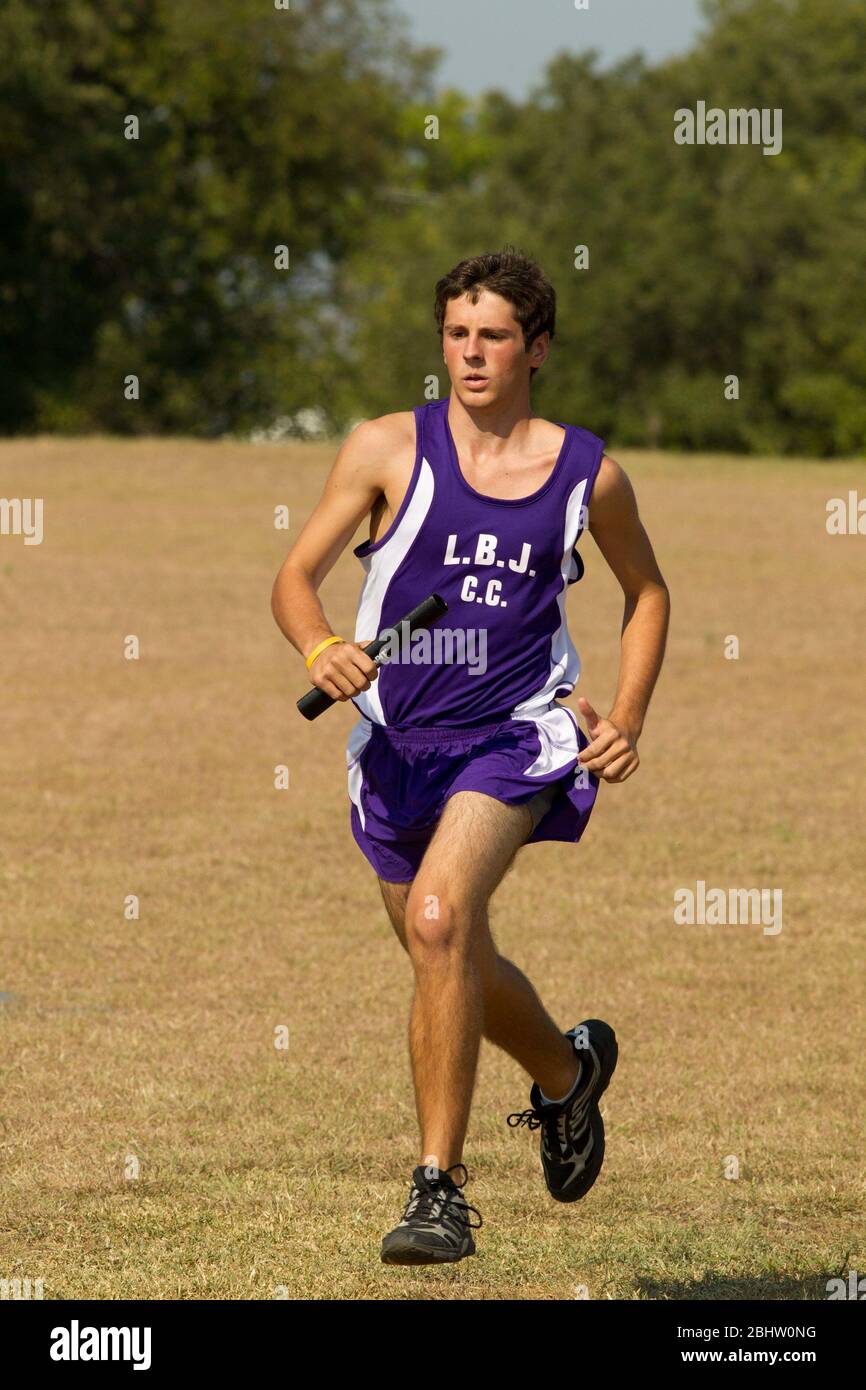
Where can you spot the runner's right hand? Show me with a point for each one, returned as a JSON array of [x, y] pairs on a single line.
[[343, 670]]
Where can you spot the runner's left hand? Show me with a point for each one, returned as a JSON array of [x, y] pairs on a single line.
[[612, 752]]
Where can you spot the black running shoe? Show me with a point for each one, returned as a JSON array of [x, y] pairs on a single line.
[[435, 1228], [572, 1134]]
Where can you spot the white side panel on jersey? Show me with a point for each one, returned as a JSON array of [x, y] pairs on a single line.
[[358, 740], [564, 660], [557, 734], [380, 568]]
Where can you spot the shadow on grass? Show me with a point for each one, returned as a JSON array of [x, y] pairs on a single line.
[[771, 1288]]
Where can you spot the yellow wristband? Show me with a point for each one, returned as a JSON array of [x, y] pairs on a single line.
[[328, 642]]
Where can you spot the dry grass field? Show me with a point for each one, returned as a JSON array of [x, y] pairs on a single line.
[[155, 1143]]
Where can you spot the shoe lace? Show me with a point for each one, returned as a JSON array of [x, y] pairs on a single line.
[[435, 1202], [531, 1118], [554, 1118], [555, 1125]]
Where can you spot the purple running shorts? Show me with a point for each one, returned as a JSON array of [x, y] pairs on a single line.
[[400, 779]]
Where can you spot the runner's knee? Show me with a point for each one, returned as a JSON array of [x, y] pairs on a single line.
[[439, 921], [434, 921]]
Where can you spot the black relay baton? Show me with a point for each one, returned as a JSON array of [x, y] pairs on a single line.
[[315, 702]]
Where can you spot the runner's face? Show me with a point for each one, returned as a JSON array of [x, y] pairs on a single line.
[[484, 340]]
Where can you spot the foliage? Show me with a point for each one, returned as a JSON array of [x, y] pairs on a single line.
[[310, 128]]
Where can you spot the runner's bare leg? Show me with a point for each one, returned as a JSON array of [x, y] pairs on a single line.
[[463, 987]]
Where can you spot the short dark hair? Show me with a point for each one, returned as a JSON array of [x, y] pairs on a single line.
[[512, 275]]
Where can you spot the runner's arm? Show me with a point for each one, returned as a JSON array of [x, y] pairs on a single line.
[[619, 534], [352, 487]]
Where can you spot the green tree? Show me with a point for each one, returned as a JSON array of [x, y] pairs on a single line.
[[258, 128], [705, 261]]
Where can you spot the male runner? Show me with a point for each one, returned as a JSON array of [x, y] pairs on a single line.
[[455, 764]]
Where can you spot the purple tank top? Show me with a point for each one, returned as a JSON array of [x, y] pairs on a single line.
[[503, 566]]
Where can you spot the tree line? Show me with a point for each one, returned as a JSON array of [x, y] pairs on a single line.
[[220, 213]]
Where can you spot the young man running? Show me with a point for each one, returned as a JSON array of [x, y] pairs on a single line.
[[454, 765]]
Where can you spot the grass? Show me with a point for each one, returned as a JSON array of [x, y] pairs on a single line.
[[156, 1144]]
